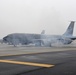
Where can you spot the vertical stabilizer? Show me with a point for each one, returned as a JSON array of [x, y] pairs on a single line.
[[69, 31], [43, 32]]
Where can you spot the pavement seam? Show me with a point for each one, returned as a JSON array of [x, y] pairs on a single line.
[[22, 54]]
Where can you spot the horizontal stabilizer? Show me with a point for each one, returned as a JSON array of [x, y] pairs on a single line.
[[73, 38]]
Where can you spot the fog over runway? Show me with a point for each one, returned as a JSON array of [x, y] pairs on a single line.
[[33, 16], [6, 49]]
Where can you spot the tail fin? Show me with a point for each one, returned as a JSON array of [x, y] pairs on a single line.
[[43, 32], [69, 31]]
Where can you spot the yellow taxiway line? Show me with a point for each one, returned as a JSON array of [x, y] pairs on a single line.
[[27, 63]]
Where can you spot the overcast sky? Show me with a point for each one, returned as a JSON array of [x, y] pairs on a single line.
[[33, 16]]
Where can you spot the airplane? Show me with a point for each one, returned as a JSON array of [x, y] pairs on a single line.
[[41, 39]]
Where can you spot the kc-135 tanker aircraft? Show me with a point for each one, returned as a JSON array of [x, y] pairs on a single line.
[[40, 39]]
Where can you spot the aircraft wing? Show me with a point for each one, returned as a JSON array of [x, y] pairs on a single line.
[[37, 42], [42, 42]]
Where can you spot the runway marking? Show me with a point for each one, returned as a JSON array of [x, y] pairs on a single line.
[[27, 63]]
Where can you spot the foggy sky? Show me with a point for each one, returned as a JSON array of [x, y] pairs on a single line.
[[33, 16]]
